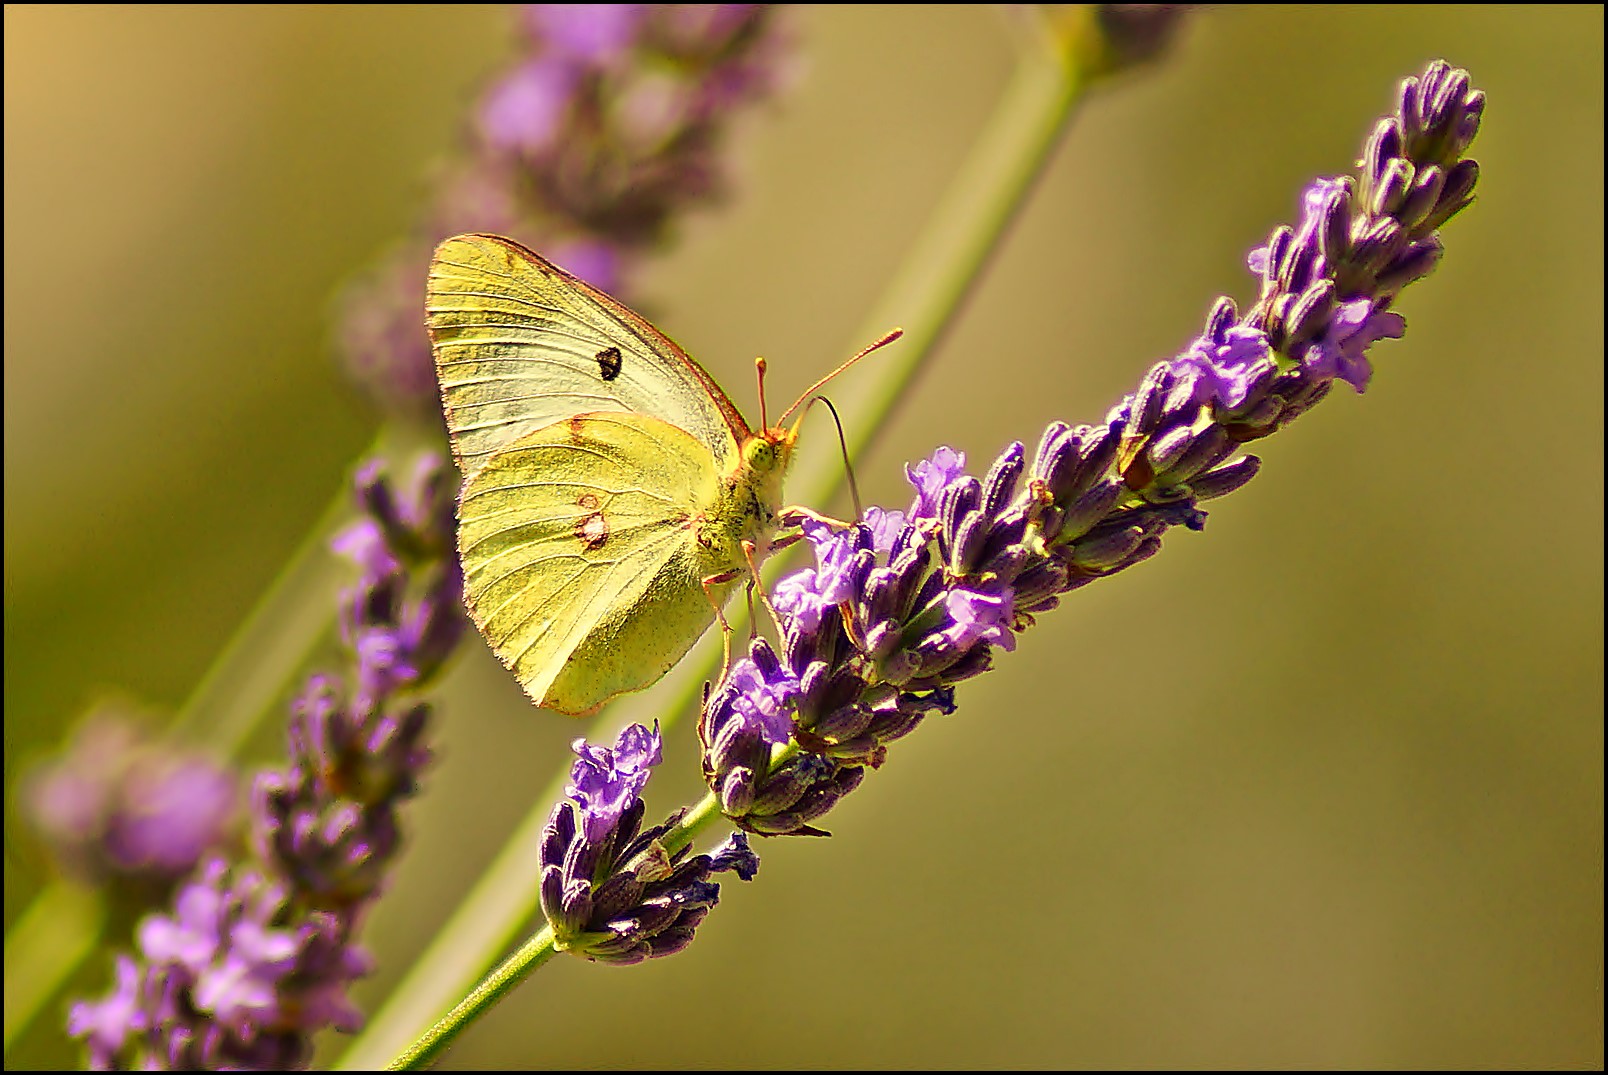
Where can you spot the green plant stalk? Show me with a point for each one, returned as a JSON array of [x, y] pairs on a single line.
[[53, 936], [925, 297]]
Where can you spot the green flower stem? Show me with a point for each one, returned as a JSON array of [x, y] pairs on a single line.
[[509, 973], [273, 643], [502, 900], [925, 297], [952, 252], [46, 942]]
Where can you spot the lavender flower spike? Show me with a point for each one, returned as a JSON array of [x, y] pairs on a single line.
[[903, 607], [609, 889], [253, 959]]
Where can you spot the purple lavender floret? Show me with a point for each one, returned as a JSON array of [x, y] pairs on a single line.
[[609, 889], [900, 609], [605, 782], [931, 477], [108, 1024], [610, 124], [254, 959]]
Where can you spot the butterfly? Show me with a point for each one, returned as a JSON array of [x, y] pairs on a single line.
[[613, 496]]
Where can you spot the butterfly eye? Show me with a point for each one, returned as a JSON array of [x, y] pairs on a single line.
[[759, 454]]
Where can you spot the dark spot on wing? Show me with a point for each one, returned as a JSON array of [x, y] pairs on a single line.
[[609, 361]]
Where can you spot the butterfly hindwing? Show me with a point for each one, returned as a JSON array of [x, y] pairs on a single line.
[[519, 344], [581, 564]]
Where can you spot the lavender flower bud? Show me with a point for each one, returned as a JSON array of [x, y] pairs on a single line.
[[609, 890], [1138, 33]]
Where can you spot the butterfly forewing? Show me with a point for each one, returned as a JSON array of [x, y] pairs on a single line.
[[520, 344], [580, 566]]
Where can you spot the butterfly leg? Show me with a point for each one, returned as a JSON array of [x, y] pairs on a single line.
[[725, 626], [753, 624], [786, 541], [795, 514], [753, 583]]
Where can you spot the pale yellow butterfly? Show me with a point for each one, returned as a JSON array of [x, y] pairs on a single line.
[[613, 496]]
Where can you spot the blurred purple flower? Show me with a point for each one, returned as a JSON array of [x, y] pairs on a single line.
[[595, 261], [380, 331], [590, 34], [121, 803], [106, 1026], [235, 978], [523, 112]]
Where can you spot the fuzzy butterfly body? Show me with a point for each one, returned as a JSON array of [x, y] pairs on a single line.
[[609, 484]]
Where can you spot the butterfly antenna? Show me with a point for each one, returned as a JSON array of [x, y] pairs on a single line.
[[848, 468], [759, 368], [887, 338]]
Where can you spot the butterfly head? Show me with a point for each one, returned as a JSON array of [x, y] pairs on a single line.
[[770, 450]]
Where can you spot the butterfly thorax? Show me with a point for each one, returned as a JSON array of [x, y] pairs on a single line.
[[747, 502]]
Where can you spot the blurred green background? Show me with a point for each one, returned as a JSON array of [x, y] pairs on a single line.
[[1320, 787]]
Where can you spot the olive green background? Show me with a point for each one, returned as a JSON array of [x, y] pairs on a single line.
[[1319, 787]]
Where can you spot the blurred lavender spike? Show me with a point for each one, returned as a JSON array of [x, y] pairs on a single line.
[[124, 807], [253, 959], [609, 126]]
